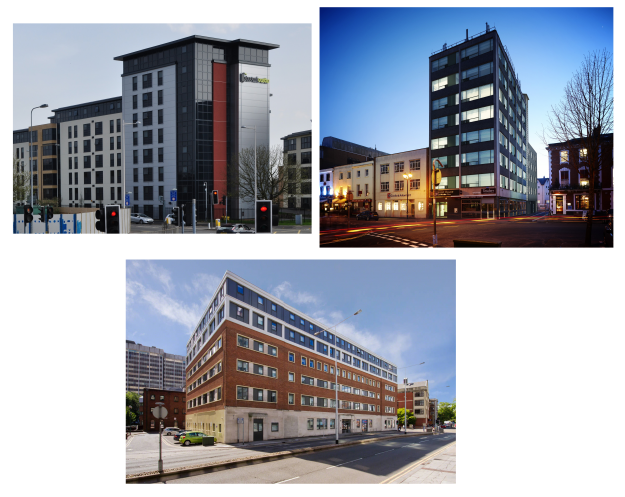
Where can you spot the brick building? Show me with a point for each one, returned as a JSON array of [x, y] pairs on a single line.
[[257, 371], [174, 402], [416, 400], [568, 175]]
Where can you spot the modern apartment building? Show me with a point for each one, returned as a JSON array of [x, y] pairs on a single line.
[[570, 177], [478, 129], [90, 139], [298, 155], [416, 399], [45, 158], [189, 101], [257, 371], [397, 196], [151, 367], [173, 400], [532, 174], [542, 193]]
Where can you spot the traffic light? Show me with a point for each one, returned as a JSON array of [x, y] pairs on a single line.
[[28, 214], [42, 214], [174, 216], [99, 215], [182, 218], [50, 212], [112, 218], [215, 197], [263, 216]]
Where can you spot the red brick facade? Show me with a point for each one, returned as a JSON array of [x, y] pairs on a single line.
[[568, 175], [174, 402], [230, 377]]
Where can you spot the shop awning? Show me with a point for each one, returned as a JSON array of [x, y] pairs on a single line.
[[339, 201]]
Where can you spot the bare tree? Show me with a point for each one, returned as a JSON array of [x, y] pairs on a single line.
[[584, 115], [21, 183], [273, 173]]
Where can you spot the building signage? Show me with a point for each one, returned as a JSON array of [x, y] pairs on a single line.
[[492, 189], [253, 79], [397, 195], [447, 193]]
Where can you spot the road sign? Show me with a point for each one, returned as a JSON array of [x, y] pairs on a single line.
[[173, 195], [127, 201], [159, 412]]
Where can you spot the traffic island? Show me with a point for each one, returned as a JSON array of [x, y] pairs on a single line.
[[200, 469]]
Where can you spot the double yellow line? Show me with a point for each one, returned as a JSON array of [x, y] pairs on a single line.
[[420, 461]]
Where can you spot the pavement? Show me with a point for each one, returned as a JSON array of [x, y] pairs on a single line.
[[439, 469], [540, 230]]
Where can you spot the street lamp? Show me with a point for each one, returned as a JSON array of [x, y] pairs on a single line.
[[336, 375], [255, 175], [30, 150], [206, 195], [124, 153], [407, 176]]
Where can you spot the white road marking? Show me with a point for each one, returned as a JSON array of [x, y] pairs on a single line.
[[277, 483], [383, 452], [344, 463]]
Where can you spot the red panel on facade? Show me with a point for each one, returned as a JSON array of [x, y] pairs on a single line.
[[220, 133]]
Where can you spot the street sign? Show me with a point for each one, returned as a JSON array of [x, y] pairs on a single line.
[[159, 412], [239, 421], [173, 195], [127, 200]]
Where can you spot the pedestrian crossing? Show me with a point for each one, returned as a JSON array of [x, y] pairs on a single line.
[[403, 241]]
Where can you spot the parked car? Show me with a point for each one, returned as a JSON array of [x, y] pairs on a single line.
[[179, 434], [136, 217], [192, 437], [243, 228], [171, 431], [132, 428], [368, 215], [226, 228]]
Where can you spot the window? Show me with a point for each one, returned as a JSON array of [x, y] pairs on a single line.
[[475, 50], [147, 137], [272, 372], [160, 97], [384, 169], [415, 165], [399, 185], [415, 184], [160, 175], [291, 376], [477, 72], [147, 156], [272, 396], [134, 102], [147, 80], [243, 341], [445, 122], [291, 398], [384, 186], [243, 366], [259, 346], [444, 62], [291, 357], [311, 364], [444, 142], [478, 114], [564, 156], [257, 394], [274, 427], [135, 120], [160, 116], [304, 361], [242, 393], [479, 92], [441, 83], [147, 118], [271, 350], [475, 158], [240, 289]]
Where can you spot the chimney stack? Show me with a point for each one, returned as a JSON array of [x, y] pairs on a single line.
[[487, 28], [467, 34]]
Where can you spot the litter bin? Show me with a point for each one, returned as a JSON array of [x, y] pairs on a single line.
[[298, 219], [206, 441]]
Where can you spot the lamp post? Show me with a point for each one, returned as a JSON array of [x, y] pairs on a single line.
[[206, 195], [407, 176], [30, 150], [255, 175], [124, 154], [336, 375]]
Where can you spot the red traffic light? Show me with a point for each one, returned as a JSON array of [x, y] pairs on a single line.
[[113, 214], [263, 209]]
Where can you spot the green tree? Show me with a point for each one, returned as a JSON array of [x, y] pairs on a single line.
[[132, 407], [21, 183], [400, 417], [130, 416], [447, 411]]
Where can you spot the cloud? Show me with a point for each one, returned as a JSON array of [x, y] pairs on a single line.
[[203, 283], [185, 29], [203, 29], [139, 269], [284, 291]]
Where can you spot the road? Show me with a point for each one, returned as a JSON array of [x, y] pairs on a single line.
[[157, 228], [142, 450], [375, 462], [538, 230]]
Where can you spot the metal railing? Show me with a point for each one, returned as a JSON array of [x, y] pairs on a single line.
[[447, 47]]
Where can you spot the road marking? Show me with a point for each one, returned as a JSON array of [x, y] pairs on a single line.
[[419, 461], [344, 463], [382, 452], [278, 483]]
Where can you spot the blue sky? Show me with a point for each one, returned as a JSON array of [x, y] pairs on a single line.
[[73, 64], [374, 65], [408, 307]]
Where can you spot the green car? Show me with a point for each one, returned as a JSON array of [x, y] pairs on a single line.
[[191, 437]]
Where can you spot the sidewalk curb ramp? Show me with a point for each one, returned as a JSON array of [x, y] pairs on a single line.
[[201, 469]]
